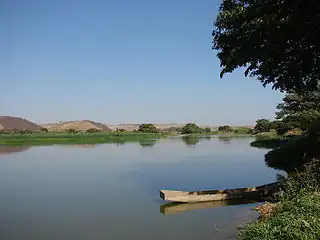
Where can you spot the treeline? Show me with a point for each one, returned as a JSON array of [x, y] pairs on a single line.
[[294, 115], [278, 44]]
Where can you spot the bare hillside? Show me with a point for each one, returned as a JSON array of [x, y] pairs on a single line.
[[83, 125], [9, 123]]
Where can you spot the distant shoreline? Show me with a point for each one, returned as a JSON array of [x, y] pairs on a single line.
[[50, 138]]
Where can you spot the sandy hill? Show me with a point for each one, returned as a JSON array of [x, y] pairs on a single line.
[[9, 123], [83, 125]]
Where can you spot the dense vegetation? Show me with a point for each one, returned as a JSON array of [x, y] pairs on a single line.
[[147, 128], [296, 215], [74, 137], [276, 41]]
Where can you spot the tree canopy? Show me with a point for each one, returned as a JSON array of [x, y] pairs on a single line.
[[147, 128], [277, 41], [262, 125], [299, 110], [225, 128], [191, 128]]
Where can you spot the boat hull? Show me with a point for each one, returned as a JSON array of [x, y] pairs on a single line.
[[254, 193]]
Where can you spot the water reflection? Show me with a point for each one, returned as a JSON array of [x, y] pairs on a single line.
[[190, 140], [82, 145], [225, 139], [172, 207], [12, 149], [147, 143]]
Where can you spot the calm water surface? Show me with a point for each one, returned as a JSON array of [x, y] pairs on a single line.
[[111, 191]]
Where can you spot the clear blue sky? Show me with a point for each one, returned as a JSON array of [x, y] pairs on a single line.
[[120, 61]]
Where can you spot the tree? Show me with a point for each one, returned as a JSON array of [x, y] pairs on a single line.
[[244, 130], [262, 125], [225, 128], [299, 110], [191, 128], [71, 130], [280, 127], [277, 41], [120, 130], [93, 130], [147, 128], [207, 130]]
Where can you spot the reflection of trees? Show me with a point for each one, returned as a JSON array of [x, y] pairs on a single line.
[[119, 143], [207, 137], [190, 140], [224, 139], [147, 143], [83, 145], [12, 149], [292, 154]]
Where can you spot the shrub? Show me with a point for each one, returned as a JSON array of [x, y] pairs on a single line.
[[93, 130], [191, 128], [147, 128], [244, 130], [44, 129], [207, 130], [71, 130], [120, 130], [225, 128], [262, 125], [297, 214]]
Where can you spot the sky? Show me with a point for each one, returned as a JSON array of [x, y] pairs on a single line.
[[121, 61]]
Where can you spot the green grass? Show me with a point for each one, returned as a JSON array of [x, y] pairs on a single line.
[[69, 138], [296, 219], [297, 215]]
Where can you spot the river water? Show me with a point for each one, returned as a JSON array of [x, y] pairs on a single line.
[[111, 191]]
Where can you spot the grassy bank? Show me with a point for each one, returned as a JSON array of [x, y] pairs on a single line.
[[48, 138], [297, 214]]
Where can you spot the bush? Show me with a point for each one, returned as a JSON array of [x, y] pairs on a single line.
[[297, 214], [244, 130], [147, 128], [24, 131], [207, 130], [262, 125], [191, 128], [93, 130], [71, 130], [294, 132], [280, 127], [120, 130], [225, 128], [44, 129]]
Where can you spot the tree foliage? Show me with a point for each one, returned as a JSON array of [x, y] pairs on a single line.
[[207, 130], [93, 130], [277, 41], [191, 128], [299, 110], [225, 128], [262, 125], [147, 128]]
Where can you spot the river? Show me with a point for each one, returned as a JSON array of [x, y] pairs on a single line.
[[111, 191]]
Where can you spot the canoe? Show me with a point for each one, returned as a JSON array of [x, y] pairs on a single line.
[[252, 193]]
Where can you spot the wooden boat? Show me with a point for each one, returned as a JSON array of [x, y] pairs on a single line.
[[253, 193], [174, 207]]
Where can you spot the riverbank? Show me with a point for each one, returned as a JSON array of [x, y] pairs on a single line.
[[297, 213], [48, 138]]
